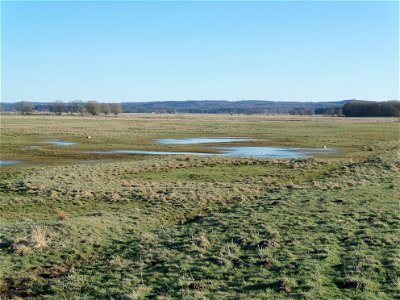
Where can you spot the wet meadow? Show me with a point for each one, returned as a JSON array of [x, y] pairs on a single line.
[[80, 220]]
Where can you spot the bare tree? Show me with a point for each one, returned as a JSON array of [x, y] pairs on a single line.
[[25, 107], [72, 107], [105, 108], [81, 108], [58, 107], [116, 108], [93, 108]]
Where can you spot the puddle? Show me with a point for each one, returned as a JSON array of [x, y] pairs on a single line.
[[273, 152], [4, 163], [202, 140], [261, 152], [241, 151], [149, 152], [60, 142]]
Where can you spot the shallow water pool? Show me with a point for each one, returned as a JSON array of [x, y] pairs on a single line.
[[273, 152], [4, 163], [261, 152], [60, 142]]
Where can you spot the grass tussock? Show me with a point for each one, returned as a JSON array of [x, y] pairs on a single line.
[[38, 238]]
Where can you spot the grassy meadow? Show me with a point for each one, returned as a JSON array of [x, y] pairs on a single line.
[[81, 225]]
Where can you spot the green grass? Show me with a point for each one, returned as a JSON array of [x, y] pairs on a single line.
[[200, 227]]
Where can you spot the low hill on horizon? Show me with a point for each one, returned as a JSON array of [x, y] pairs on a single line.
[[209, 106], [225, 106]]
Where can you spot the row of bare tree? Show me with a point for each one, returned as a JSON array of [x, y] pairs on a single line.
[[75, 107]]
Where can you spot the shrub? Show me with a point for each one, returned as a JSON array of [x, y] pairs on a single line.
[[93, 108], [116, 108]]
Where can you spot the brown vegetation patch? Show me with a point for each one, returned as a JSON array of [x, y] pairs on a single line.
[[196, 285], [270, 244], [61, 214], [283, 285], [352, 284]]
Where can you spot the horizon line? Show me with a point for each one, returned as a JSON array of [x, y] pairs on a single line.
[[195, 100]]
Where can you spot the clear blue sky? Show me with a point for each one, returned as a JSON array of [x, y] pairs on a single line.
[[146, 51]]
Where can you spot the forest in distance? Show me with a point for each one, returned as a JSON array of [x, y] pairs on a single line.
[[348, 108]]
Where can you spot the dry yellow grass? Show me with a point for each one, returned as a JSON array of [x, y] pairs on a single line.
[[21, 249], [38, 238]]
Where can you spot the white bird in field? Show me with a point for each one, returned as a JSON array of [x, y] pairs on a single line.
[[324, 147]]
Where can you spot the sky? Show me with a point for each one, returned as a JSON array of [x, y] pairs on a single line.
[[153, 51]]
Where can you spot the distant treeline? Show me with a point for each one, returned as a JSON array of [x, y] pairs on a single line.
[[249, 107], [230, 107], [371, 109], [59, 107], [350, 108]]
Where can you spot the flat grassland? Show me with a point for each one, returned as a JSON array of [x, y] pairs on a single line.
[[198, 227]]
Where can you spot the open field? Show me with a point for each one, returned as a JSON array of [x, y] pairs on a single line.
[[199, 227]]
